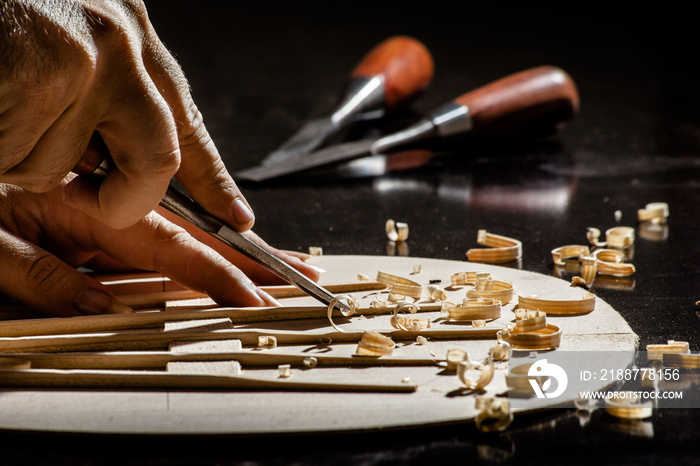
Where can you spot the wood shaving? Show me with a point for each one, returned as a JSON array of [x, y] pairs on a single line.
[[559, 307], [628, 405], [315, 250], [401, 285], [310, 362], [375, 344], [571, 251], [502, 351], [403, 323], [494, 414], [486, 371], [689, 361], [495, 289], [657, 352], [655, 212], [436, 293], [547, 338], [473, 309], [453, 357], [285, 370], [396, 231], [267, 341], [500, 249], [352, 303]]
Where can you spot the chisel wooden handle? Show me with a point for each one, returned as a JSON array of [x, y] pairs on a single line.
[[533, 102], [405, 65]]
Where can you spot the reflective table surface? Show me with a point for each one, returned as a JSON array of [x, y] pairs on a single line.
[[258, 72]]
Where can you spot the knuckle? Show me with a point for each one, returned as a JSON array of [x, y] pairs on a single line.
[[43, 273]]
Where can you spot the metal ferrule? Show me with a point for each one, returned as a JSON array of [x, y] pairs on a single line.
[[452, 118], [364, 100], [446, 121]]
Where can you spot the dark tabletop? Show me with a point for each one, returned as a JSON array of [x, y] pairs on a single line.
[[258, 72]]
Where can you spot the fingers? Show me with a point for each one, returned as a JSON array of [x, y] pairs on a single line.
[[43, 282], [140, 134], [156, 244], [255, 271], [202, 171]]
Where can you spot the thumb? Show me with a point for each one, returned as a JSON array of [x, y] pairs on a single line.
[[48, 285]]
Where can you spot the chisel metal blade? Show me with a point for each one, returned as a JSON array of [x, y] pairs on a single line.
[[313, 134], [324, 157]]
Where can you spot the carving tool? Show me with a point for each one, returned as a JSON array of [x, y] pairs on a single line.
[[534, 102], [97, 162], [389, 75]]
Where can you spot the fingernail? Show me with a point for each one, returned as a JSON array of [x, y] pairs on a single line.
[[265, 296], [242, 213], [316, 268], [93, 302]]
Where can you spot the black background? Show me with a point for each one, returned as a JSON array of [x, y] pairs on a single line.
[[258, 72]]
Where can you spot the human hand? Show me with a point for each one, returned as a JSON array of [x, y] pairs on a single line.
[[71, 67], [43, 240]]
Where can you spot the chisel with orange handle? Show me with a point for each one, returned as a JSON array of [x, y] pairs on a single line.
[[391, 74]]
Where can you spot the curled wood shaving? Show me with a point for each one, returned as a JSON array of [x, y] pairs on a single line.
[[396, 231], [404, 323], [315, 250], [528, 320], [499, 249], [502, 351], [436, 293], [453, 357], [495, 289], [545, 338], [375, 344], [657, 352], [628, 405], [310, 362], [589, 269], [620, 237], [559, 307], [655, 212], [494, 414], [473, 309], [479, 323], [352, 303], [485, 369], [421, 340], [571, 251], [401, 285], [518, 379], [467, 278]]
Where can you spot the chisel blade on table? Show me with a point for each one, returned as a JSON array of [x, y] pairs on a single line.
[[534, 102], [391, 74], [98, 162]]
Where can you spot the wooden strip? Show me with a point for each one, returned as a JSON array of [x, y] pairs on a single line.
[[159, 359], [146, 319], [156, 380], [158, 298], [144, 339]]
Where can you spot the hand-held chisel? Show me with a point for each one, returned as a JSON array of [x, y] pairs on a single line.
[[97, 162]]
